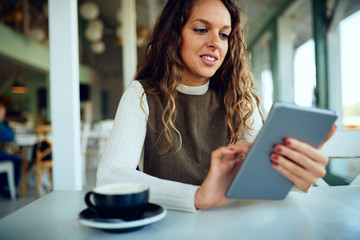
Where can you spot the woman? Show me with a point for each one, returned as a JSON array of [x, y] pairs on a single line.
[[193, 112]]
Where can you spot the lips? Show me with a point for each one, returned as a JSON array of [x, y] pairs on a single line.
[[209, 59]]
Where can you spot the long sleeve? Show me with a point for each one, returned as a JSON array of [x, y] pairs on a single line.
[[123, 152], [6, 133], [257, 124]]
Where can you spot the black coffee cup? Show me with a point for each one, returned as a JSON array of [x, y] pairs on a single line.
[[119, 200]]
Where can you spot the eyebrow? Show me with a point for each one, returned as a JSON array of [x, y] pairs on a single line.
[[208, 23]]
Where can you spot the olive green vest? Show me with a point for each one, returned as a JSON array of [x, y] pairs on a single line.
[[201, 120]]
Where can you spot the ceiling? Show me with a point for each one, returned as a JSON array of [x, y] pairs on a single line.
[[258, 13]]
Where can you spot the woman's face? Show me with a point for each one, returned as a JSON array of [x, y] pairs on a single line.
[[204, 41]]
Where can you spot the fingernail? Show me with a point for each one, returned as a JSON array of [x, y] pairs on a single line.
[[275, 164], [232, 149], [287, 142], [275, 157], [278, 149]]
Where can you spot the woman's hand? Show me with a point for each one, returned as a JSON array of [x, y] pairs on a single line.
[[225, 161], [299, 162]]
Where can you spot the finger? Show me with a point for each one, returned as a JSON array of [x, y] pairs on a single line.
[[241, 145], [222, 162], [241, 148], [223, 157], [297, 181], [293, 168], [300, 159], [222, 153], [295, 173], [329, 135], [307, 150]]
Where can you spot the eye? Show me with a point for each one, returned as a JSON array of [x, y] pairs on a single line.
[[200, 30], [224, 35]]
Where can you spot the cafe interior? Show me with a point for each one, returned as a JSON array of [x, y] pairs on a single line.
[[62, 74]]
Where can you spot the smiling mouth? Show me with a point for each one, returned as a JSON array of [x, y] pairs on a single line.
[[208, 58]]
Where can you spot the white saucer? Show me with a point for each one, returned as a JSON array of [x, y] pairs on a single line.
[[153, 213]]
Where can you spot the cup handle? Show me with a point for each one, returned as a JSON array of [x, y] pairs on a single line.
[[89, 203]]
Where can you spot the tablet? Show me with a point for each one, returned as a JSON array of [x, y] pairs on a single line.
[[256, 178]]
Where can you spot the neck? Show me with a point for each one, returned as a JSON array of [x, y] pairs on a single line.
[[194, 82]]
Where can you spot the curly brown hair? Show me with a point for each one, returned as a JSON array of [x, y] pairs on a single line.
[[161, 65]]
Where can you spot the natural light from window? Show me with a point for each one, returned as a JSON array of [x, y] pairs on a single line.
[[304, 74], [267, 91], [350, 75]]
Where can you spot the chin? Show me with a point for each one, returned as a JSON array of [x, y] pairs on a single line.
[[209, 75]]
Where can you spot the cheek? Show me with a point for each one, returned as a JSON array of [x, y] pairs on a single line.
[[225, 50], [186, 46], [183, 47], [186, 50]]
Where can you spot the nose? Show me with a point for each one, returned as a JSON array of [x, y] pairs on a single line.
[[214, 40]]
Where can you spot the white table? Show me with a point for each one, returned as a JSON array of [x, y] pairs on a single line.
[[26, 139], [25, 142], [323, 213]]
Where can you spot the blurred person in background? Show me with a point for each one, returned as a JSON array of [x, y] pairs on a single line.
[[7, 134]]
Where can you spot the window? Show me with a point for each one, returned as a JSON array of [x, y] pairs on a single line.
[[350, 74], [304, 74], [267, 90], [261, 70], [341, 169]]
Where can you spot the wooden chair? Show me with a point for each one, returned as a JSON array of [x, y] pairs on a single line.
[[41, 164]]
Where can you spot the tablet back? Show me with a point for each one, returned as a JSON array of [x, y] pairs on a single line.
[[256, 178]]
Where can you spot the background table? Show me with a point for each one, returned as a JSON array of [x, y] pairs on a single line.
[[26, 139], [323, 213], [25, 142]]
